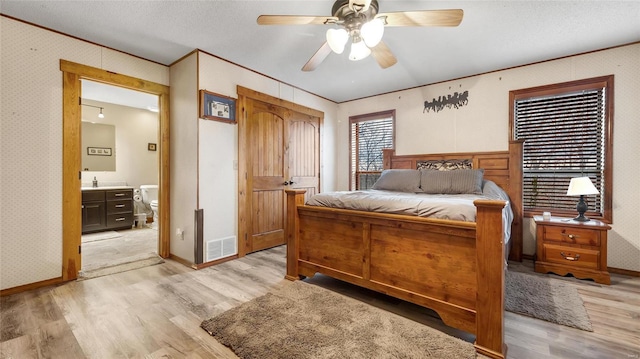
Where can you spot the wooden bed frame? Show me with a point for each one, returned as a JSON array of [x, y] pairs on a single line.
[[455, 268]]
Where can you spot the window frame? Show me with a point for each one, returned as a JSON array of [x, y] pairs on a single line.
[[606, 82], [363, 118]]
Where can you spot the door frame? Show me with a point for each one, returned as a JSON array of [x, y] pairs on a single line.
[[244, 94], [72, 73]]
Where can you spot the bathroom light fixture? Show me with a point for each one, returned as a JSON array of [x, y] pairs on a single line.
[[581, 186], [100, 115]]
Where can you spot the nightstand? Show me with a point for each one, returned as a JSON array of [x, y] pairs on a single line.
[[566, 246]]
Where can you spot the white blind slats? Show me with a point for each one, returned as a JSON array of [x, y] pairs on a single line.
[[369, 136], [564, 138]]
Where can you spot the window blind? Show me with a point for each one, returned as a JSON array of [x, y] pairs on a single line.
[[564, 138], [368, 138]]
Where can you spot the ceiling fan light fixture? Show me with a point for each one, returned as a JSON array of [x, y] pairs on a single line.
[[359, 50], [359, 5], [372, 32], [337, 39]]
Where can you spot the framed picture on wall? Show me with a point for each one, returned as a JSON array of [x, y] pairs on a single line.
[[217, 107], [98, 151]]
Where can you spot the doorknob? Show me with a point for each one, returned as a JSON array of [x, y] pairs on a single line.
[[286, 183]]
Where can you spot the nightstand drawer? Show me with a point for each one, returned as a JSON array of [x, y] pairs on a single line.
[[572, 235], [570, 256]]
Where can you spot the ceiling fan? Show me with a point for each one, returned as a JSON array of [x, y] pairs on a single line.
[[360, 21]]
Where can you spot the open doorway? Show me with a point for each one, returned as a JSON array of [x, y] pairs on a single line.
[[119, 179], [72, 74]]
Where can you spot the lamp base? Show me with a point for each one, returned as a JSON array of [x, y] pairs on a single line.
[[581, 207]]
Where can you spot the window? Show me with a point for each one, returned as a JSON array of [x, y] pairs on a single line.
[[369, 135], [567, 131]]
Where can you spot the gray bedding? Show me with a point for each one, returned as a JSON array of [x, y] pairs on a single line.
[[457, 207]]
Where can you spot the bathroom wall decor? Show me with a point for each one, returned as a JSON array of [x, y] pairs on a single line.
[[217, 107], [456, 100], [98, 151]]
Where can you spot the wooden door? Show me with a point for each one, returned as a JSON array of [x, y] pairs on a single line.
[[279, 149], [267, 174], [304, 155]]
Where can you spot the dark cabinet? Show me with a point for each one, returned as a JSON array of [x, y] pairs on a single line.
[[107, 209], [93, 211]]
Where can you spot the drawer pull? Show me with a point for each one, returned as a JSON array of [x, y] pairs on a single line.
[[120, 219], [119, 205], [569, 257], [571, 236], [119, 194]]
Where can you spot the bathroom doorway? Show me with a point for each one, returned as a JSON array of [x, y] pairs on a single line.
[[119, 179], [73, 73]]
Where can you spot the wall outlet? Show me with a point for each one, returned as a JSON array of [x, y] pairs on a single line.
[[180, 234]]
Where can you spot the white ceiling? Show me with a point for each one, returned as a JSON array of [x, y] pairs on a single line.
[[493, 35]]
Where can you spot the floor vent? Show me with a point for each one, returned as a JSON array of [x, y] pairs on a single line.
[[220, 248]]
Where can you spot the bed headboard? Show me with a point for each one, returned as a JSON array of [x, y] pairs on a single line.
[[502, 167]]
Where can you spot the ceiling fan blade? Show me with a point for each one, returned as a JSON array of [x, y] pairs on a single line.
[[317, 58], [295, 20], [451, 17], [383, 55]]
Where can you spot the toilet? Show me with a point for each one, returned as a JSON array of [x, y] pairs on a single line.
[[150, 197]]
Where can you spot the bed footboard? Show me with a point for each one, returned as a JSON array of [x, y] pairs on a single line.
[[455, 268]]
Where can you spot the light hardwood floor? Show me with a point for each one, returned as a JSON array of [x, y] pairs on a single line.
[[155, 312]]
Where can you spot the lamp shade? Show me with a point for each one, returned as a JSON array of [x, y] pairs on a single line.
[[359, 51], [581, 186], [337, 39], [372, 32]]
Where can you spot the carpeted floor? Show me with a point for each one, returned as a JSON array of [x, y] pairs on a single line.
[[302, 320], [546, 298]]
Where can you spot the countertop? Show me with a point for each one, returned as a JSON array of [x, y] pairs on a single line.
[[105, 188]]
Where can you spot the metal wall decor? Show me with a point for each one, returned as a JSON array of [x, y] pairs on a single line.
[[456, 100]]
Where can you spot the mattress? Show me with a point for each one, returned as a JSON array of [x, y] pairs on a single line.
[[457, 207]]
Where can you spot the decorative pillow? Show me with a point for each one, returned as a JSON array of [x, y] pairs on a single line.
[[452, 182], [444, 165], [399, 180]]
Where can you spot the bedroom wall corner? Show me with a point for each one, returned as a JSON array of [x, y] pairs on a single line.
[[184, 155], [31, 143]]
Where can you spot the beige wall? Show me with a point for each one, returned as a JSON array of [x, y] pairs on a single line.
[[483, 125], [134, 129], [205, 152], [31, 143]]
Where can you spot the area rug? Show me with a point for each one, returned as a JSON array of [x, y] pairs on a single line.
[[302, 320], [545, 298], [100, 236]]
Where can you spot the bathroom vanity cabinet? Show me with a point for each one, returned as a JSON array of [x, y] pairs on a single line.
[[107, 209]]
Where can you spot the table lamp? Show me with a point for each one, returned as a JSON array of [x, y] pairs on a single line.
[[581, 186]]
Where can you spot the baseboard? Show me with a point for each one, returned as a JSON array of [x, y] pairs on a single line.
[[30, 286], [181, 260], [528, 256], [217, 261], [630, 273]]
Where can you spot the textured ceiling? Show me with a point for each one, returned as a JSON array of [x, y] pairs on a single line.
[[493, 35]]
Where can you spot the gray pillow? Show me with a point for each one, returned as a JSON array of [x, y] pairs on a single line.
[[452, 182], [399, 180]]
